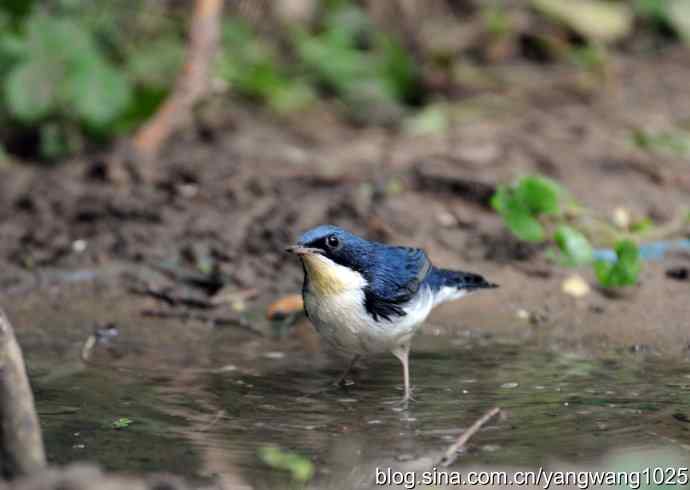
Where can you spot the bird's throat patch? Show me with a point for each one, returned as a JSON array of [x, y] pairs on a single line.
[[326, 278]]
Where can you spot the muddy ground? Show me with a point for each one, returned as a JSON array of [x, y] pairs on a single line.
[[234, 190], [80, 249]]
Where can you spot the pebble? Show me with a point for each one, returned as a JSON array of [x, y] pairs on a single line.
[[621, 217], [575, 286], [79, 245]]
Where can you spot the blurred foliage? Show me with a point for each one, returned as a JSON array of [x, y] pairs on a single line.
[[77, 72], [300, 468], [535, 204], [251, 66], [345, 57], [356, 62], [674, 143], [69, 75]]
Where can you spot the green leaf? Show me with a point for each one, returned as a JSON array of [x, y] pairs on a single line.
[[142, 105], [651, 9], [539, 194], [301, 468], [339, 67], [58, 40], [158, 64], [54, 141], [397, 68], [345, 23], [292, 95], [522, 204], [98, 92], [18, 8], [12, 47], [500, 201], [30, 90], [524, 226], [122, 423], [642, 226], [573, 245], [602, 270], [623, 272]]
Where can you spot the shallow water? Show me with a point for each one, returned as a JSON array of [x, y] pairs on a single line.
[[202, 401]]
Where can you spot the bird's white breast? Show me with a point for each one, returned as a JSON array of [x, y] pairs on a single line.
[[447, 293], [334, 300]]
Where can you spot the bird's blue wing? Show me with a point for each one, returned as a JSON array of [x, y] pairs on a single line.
[[395, 277]]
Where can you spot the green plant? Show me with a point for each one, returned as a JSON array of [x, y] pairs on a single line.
[[676, 143], [574, 246], [351, 59], [250, 65], [624, 271], [73, 71], [59, 71], [345, 57], [497, 21], [592, 57], [301, 469], [523, 204], [534, 208], [672, 14], [122, 423]]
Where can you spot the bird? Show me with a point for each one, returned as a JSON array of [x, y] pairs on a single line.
[[366, 298]]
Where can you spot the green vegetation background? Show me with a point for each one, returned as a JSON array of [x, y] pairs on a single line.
[[75, 74]]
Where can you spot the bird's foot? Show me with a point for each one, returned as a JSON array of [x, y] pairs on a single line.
[[406, 399], [404, 402], [343, 380]]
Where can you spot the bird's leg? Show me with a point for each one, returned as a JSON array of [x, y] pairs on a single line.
[[402, 352], [341, 379]]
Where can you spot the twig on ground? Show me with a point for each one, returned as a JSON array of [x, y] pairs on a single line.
[[171, 298], [453, 450], [21, 443], [216, 321]]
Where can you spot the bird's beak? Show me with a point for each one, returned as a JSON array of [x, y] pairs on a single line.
[[300, 250]]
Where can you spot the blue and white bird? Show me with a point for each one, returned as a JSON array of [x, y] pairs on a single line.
[[365, 297]]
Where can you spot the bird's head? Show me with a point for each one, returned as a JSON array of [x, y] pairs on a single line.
[[334, 259]]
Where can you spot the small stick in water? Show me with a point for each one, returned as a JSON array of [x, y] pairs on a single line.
[[457, 446]]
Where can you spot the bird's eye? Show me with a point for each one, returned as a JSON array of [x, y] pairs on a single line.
[[332, 242]]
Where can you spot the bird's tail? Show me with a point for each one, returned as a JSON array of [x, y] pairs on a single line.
[[448, 285]]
